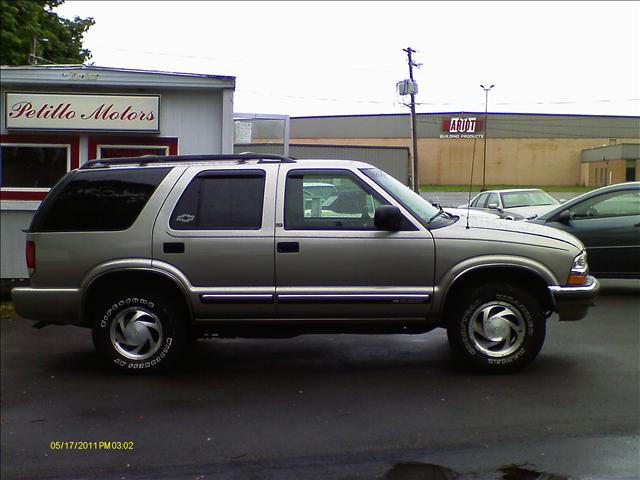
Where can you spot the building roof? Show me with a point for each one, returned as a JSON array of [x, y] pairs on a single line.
[[620, 151], [52, 75]]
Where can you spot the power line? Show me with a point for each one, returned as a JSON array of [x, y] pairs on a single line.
[[302, 97], [217, 59], [376, 102], [433, 104]]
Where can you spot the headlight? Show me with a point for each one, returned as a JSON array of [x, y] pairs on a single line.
[[579, 270]]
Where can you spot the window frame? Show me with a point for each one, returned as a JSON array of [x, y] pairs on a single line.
[[155, 147], [72, 144], [593, 201], [96, 143], [480, 198], [80, 176], [219, 173], [368, 189]]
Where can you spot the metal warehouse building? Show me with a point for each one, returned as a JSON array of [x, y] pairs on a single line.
[[521, 149]]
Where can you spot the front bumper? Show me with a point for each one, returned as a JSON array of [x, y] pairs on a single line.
[[572, 303], [49, 305]]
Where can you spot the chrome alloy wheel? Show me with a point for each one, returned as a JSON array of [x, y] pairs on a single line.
[[497, 329], [136, 333]]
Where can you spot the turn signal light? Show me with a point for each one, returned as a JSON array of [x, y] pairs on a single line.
[[578, 274], [31, 255], [577, 279]]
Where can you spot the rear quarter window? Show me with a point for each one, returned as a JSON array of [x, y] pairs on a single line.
[[97, 200], [221, 201]]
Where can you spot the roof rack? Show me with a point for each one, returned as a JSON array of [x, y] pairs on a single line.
[[150, 159]]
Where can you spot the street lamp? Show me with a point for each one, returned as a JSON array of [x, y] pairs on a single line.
[[484, 160]]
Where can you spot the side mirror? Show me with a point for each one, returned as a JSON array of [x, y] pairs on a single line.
[[493, 206], [563, 217], [388, 217]]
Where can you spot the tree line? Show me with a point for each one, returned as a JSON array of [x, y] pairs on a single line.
[[32, 33]]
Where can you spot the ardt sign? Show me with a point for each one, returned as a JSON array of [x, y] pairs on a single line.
[[461, 127]]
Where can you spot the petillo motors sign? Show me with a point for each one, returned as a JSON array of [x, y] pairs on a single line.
[[53, 111], [459, 127]]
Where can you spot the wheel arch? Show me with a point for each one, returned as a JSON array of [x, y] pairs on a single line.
[[122, 278], [518, 275]]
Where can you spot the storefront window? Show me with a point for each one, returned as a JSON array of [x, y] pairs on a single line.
[[115, 151], [116, 147], [32, 167]]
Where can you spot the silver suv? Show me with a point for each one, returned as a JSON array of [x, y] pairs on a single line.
[[153, 252]]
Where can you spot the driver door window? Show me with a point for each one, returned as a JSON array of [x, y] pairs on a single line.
[[615, 204], [329, 201]]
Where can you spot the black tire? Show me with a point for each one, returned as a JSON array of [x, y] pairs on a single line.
[[496, 328], [139, 330]]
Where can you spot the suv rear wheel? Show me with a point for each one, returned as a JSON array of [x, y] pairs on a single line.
[[139, 330], [496, 328]]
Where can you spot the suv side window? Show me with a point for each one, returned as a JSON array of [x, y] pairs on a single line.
[[221, 201], [329, 200], [97, 200]]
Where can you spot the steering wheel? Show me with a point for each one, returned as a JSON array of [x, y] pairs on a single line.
[[592, 212]]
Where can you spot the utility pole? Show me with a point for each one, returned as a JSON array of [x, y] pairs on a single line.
[[33, 55], [414, 134], [33, 59]]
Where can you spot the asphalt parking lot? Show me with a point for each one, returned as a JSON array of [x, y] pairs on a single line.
[[328, 407]]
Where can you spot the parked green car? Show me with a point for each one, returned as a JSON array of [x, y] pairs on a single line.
[[607, 221]]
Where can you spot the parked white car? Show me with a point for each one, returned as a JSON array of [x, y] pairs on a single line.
[[514, 204], [471, 213]]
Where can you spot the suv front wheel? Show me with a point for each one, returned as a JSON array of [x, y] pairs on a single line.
[[496, 328], [138, 330]]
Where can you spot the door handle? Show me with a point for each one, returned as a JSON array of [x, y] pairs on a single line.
[[173, 247], [288, 247]]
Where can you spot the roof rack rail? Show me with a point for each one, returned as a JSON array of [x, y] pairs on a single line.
[[150, 159]]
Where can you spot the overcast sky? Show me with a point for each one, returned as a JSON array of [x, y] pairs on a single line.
[[336, 58]]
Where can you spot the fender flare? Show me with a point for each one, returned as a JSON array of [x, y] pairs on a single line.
[[460, 270], [142, 265]]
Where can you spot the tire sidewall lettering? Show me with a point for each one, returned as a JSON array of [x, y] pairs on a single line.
[[471, 349], [105, 325], [142, 365]]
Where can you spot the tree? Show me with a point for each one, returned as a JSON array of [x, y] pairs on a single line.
[[24, 23]]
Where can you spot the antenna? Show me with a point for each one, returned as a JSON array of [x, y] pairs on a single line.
[[473, 159]]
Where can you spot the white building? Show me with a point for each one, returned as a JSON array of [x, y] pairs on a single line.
[[55, 118]]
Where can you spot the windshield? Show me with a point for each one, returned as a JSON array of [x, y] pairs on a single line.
[[413, 202], [527, 199]]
